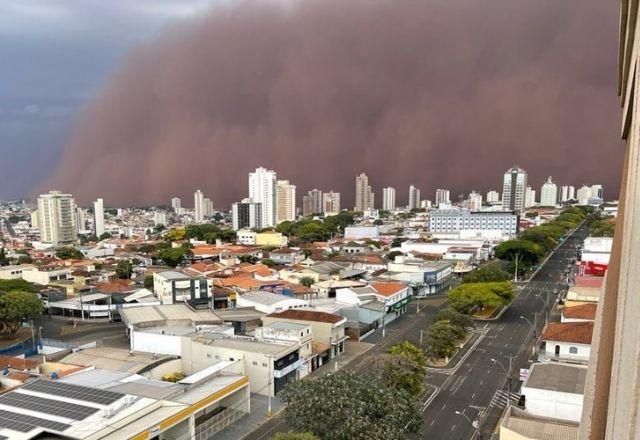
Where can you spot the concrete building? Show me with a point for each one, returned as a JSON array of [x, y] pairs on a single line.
[[268, 302], [81, 219], [567, 192], [493, 197], [98, 217], [611, 403], [198, 203], [312, 203], [176, 204], [454, 220], [529, 197], [514, 186], [246, 215], [414, 198], [364, 195], [567, 341], [159, 218], [207, 207], [389, 198], [172, 287], [549, 193], [475, 201], [330, 203], [443, 196], [285, 201], [57, 218], [262, 189]]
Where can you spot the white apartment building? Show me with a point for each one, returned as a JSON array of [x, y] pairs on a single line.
[[198, 203], [389, 198], [207, 207], [364, 195], [98, 217], [330, 203], [285, 201], [475, 201], [246, 215], [176, 204], [312, 203], [262, 189], [493, 197], [57, 218], [159, 218], [549, 193], [513, 189], [443, 197], [414, 197], [246, 236], [567, 192], [455, 220]]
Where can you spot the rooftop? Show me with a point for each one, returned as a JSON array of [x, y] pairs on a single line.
[[576, 332], [308, 315], [265, 298], [582, 311], [538, 427], [558, 377]]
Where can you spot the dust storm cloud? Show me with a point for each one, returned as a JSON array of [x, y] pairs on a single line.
[[426, 92]]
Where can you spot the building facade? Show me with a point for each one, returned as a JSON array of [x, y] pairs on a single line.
[[57, 218], [98, 217], [262, 189], [285, 201], [459, 220], [312, 203], [475, 201], [246, 215], [330, 203], [443, 196], [414, 197], [549, 193], [198, 204], [389, 198], [514, 187], [364, 195]]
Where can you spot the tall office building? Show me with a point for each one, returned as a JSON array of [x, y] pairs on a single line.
[[246, 214], [262, 189], [389, 198], [564, 193], [81, 218], [330, 203], [312, 203], [549, 193], [364, 195], [529, 197], [414, 197], [611, 406], [443, 197], [514, 189], [159, 218], [207, 207], [198, 203], [493, 197], [475, 201], [571, 192], [285, 201], [176, 204], [57, 218], [98, 217]]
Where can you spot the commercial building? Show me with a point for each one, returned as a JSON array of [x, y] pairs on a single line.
[[426, 277], [159, 218], [513, 189], [198, 203], [455, 220], [172, 287], [549, 193], [262, 189], [364, 195], [268, 302], [207, 207], [98, 217], [414, 198], [330, 203], [389, 198], [285, 201], [57, 218], [246, 215]]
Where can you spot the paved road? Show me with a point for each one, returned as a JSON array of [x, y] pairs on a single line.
[[480, 383]]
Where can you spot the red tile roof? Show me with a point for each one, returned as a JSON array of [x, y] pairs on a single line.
[[588, 281], [308, 315], [582, 311], [388, 288], [576, 332]]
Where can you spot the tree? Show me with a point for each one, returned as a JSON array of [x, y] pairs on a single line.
[[602, 228], [104, 236], [340, 220], [268, 262], [441, 339], [4, 261], [175, 234], [148, 282], [391, 256], [524, 251], [467, 297], [348, 405], [18, 306], [173, 256], [404, 367], [17, 284], [291, 435], [69, 253], [124, 269], [489, 272], [454, 317], [246, 258], [307, 281], [378, 222]]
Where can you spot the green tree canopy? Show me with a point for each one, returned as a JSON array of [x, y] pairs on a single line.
[[173, 256], [441, 339], [268, 262], [291, 435], [104, 236], [307, 281], [17, 284], [469, 296], [246, 258], [602, 228], [148, 282], [69, 253], [487, 273], [404, 367], [350, 406], [18, 306], [527, 252], [124, 269], [454, 317], [175, 234]]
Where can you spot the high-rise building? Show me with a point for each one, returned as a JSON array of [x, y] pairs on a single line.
[[176, 204], [312, 203], [549, 193], [513, 189], [597, 191], [330, 203], [475, 201], [159, 218], [564, 193], [529, 197], [198, 203], [493, 197], [285, 201], [262, 189], [364, 195], [98, 217], [611, 406], [443, 197], [584, 194], [57, 218], [207, 207], [81, 218], [246, 215], [572, 192], [414, 197], [389, 198]]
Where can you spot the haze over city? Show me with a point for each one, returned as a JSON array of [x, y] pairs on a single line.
[[181, 96]]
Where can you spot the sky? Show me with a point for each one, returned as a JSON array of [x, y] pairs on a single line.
[[141, 101]]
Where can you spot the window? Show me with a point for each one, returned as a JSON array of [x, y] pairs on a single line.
[[209, 355], [231, 359], [264, 364], [254, 363], [573, 350]]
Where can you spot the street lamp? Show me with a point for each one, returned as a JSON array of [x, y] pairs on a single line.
[[533, 327], [507, 372], [473, 423]]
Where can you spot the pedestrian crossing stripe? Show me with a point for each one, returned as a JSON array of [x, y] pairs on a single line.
[[502, 398]]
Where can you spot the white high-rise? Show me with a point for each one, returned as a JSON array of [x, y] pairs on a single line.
[[98, 217], [389, 198], [207, 207], [312, 203], [246, 214], [529, 197], [549, 193], [493, 197], [57, 218], [330, 203], [475, 201], [443, 197], [514, 189], [159, 218], [198, 204], [564, 193], [262, 189], [364, 195], [176, 204], [285, 201], [414, 197]]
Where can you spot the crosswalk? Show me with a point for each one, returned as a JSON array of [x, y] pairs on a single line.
[[501, 398]]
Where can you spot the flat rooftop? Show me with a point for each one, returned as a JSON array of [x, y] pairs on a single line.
[[558, 377]]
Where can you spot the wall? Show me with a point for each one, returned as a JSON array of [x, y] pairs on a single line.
[[156, 343], [557, 405]]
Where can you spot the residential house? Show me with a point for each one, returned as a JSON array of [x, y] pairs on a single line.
[[268, 302], [286, 256], [567, 341]]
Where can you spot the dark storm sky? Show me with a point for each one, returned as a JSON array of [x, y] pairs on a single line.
[[426, 92]]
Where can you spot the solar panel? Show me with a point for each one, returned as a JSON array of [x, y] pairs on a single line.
[[71, 391], [48, 406], [24, 423]]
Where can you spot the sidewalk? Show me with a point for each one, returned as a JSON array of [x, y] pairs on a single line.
[[252, 420]]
